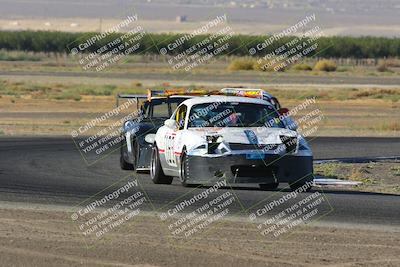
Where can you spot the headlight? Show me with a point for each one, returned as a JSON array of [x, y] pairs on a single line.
[[130, 126], [149, 138]]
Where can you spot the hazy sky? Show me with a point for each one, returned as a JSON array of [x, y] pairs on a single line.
[[332, 12], [372, 17]]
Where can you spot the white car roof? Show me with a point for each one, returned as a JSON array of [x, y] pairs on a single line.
[[221, 98]]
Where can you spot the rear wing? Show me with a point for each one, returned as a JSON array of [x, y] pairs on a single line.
[[243, 92], [252, 93], [130, 96], [180, 92], [247, 92], [232, 91]]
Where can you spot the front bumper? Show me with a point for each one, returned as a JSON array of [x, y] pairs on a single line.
[[239, 169]]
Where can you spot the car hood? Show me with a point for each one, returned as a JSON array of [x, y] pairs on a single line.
[[246, 135]]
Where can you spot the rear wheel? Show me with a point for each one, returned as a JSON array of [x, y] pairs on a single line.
[[156, 172], [271, 186], [124, 154]]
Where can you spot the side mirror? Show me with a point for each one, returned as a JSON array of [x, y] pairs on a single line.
[[290, 123], [283, 111], [170, 123]]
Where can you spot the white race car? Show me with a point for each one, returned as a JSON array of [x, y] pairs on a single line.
[[240, 139]]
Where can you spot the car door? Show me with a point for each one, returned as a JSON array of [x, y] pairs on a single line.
[[171, 155]]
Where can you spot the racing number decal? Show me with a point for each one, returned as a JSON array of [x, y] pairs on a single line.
[[169, 149], [170, 154]]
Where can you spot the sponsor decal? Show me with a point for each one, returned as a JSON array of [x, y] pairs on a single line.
[[251, 136]]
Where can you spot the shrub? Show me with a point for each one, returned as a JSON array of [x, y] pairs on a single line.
[[259, 67], [68, 96], [269, 65], [387, 94], [102, 90], [325, 65], [392, 63], [382, 67], [241, 64], [18, 56], [302, 66]]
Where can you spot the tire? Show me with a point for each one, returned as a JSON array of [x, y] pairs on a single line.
[[156, 172], [183, 172], [122, 162], [183, 176], [271, 186], [135, 153]]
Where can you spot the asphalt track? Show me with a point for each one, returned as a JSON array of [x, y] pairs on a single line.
[[51, 171]]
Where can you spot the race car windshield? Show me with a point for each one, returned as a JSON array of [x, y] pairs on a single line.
[[162, 108], [234, 114]]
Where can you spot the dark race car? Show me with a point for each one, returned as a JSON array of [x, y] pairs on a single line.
[[138, 133]]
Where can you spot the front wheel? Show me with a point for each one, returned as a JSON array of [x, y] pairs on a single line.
[[124, 154], [135, 153], [156, 172], [184, 169], [184, 173]]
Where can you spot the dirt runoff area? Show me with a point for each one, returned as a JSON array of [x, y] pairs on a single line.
[[49, 238], [380, 177]]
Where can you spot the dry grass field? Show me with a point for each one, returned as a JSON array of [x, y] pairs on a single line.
[[43, 94], [59, 115]]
